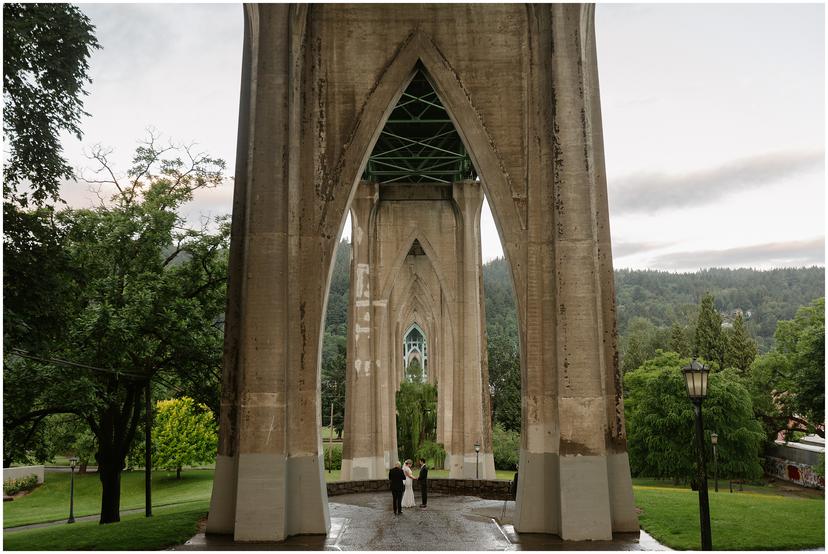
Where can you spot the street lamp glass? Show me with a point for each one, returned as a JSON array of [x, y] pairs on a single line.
[[476, 447], [73, 461], [714, 438], [695, 377]]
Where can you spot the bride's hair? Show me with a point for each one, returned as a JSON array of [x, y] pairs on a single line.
[[408, 462]]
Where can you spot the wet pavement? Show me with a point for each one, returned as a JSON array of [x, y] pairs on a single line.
[[365, 522]]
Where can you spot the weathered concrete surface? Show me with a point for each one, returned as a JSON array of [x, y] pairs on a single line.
[[365, 522], [521, 84], [416, 259]]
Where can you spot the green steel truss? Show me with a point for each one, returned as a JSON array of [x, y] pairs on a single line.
[[419, 143]]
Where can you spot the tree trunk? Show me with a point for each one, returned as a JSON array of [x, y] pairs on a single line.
[[111, 492], [82, 468], [115, 431], [178, 472]]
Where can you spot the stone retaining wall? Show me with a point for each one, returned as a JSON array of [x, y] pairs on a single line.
[[489, 489]]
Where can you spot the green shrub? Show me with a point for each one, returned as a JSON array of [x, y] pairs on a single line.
[[14, 486], [434, 454], [334, 459], [506, 448]]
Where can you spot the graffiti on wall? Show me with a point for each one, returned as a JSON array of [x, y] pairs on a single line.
[[800, 474]]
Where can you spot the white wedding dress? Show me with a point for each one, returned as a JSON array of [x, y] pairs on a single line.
[[408, 495]]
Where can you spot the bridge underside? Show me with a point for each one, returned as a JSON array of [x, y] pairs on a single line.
[[519, 83]]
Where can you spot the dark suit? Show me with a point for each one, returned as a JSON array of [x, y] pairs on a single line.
[[422, 478], [397, 479]]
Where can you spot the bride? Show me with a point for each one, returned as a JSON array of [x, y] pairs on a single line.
[[408, 495]]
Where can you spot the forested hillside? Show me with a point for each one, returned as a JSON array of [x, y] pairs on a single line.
[[767, 296], [656, 310], [659, 297]]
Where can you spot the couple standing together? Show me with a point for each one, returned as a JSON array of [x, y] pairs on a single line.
[[402, 485]]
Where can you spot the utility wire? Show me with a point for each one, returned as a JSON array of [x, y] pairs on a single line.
[[23, 354]]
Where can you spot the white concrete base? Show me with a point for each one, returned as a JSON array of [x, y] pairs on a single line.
[[362, 469], [278, 497], [622, 503], [537, 509], [464, 466], [307, 497], [260, 498], [584, 497], [575, 497], [221, 519]]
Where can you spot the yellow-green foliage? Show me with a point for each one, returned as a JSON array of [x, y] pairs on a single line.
[[183, 434]]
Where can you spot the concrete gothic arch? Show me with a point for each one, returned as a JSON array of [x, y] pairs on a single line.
[[520, 83], [417, 253]]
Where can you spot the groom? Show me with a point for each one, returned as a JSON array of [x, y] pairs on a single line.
[[397, 479], [423, 480]]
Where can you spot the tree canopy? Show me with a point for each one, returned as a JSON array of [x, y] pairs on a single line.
[[145, 297], [660, 422], [46, 49], [184, 433]]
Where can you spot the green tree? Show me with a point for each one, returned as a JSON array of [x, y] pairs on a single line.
[[333, 382], [740, 347], [68, 435], [416, 417], [45, 52], [505, 447], [678, 340], [146, 295], [802, 342], [708, 343], [641, 342], [414, 372], [183, 434], [46, 49], [762, 380], [504, 381], [660, 422]]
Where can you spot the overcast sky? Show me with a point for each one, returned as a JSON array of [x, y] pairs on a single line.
[[714, 121]]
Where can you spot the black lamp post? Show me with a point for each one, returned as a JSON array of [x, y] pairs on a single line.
[[477, 460], [695, 377], [72, 461], [714, 439]]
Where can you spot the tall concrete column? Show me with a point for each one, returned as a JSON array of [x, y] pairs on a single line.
[[362, 456], [469, 419], [566, 412], [274, 482]]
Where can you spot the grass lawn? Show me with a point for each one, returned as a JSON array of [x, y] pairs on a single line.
[[50, 501], [168, 526], [739, 521]]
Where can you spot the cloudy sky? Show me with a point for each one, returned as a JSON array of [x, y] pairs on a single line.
[[714, 121]]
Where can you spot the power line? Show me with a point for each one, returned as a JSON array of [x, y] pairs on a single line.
[[23, 354]]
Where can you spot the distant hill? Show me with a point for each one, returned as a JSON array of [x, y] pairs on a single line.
[[659, 296]]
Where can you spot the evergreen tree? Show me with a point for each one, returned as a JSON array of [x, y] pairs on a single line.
[[678, 340], [708, 343], [741, 349]]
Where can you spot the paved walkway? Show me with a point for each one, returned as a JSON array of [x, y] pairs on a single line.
[[365, 522]]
